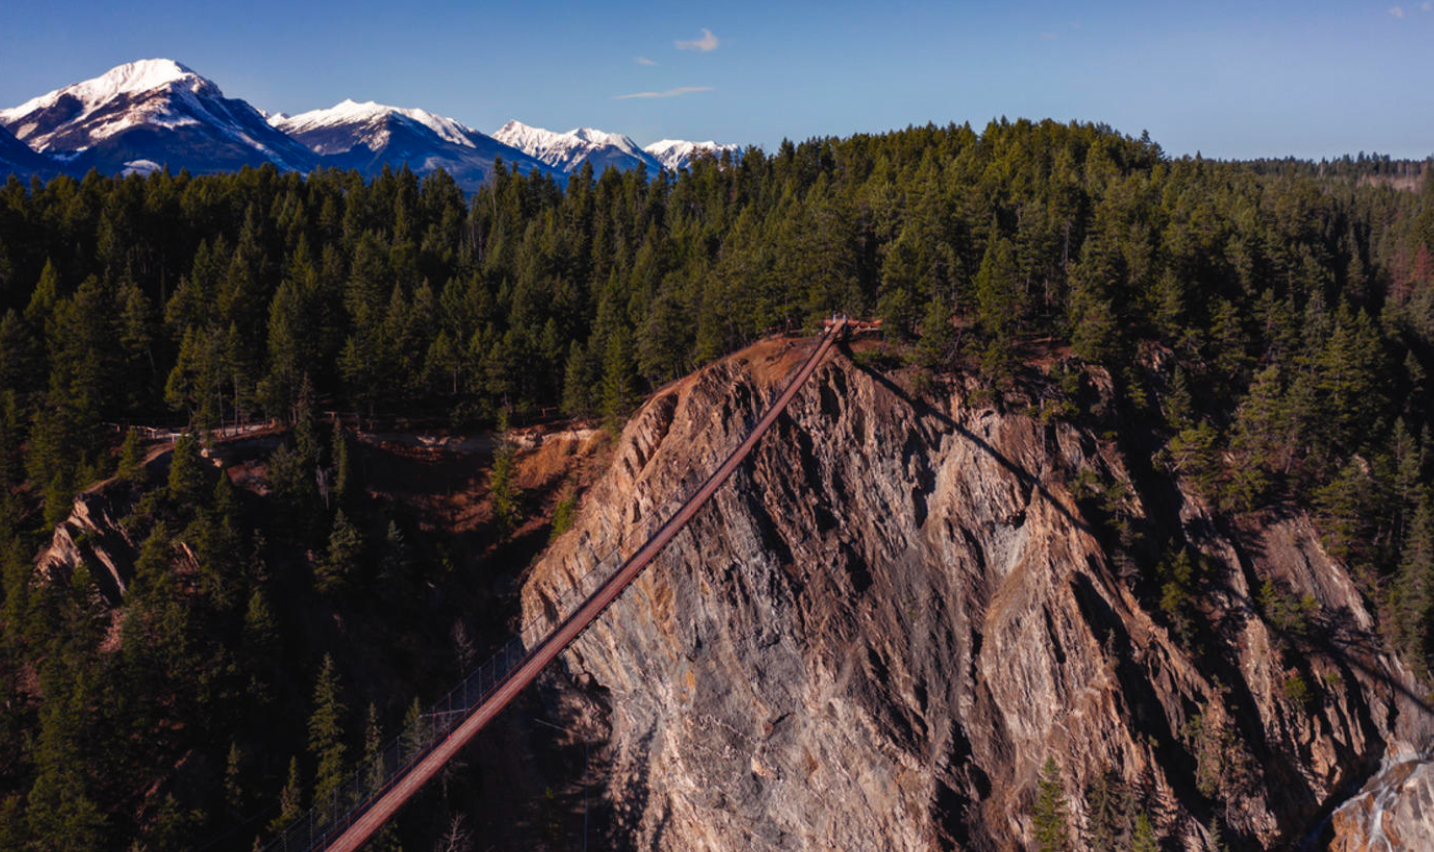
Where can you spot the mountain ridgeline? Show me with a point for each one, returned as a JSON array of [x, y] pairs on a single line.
[[1257, 336], [154, 114]]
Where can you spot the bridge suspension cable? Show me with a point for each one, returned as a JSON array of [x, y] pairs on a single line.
[[367, 799]]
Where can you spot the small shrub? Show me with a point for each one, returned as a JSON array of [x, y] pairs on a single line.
[[880, 360], [1290, 615], [565, 513], [1297, 690]]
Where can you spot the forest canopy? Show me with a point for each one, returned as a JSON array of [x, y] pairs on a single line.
[[1271, 323]]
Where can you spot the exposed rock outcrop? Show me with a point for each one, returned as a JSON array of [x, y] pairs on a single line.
[[92, 539], [1394, 812], [881, 628]]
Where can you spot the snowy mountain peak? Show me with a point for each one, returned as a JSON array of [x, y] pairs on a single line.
[[568, 151], [676, 154], [526, 137], [157, 113], [372, 116], [367, 136], [130, 78], [599, 137], [142, 76], [184, 118]]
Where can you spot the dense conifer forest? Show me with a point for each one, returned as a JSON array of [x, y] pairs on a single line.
[[1270, 324]]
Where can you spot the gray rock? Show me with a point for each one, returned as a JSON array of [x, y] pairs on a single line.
[[875, 635]]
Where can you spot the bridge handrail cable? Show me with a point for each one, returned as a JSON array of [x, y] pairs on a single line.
[[377, 788]]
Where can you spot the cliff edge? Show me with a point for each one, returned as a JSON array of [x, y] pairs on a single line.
[[903, 605]]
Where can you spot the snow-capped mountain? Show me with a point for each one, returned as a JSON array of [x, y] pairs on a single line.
[[567, 152], [365, 136], [151, 112], [676, 154], [146, 115]]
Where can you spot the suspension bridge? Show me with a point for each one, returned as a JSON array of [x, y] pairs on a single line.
[[346, 818]]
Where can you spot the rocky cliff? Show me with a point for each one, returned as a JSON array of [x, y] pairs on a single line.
[[92, 538], [1394, 812], [880, 630]]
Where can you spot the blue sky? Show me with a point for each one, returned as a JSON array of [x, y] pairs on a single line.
[[1229, 79]]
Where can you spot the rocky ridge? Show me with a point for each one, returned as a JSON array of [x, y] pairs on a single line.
[[902, 605], [92, 538]]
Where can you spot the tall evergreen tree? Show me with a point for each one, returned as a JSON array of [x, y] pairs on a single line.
[[1413, 591], [341, 561], [1049, 816], [326, 736]]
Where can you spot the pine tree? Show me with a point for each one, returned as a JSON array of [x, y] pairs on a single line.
[[938, 336], [999, 296], [306, 430], [1229, 344], [1144, 839], [386, 838], [260, 632], [619, 380], [131, 459], [44, 297], [372, 752], [11, 439], [291, 799], [1408, 463], [397, 559], [59, 807], [1215, 840], [1344, 504], [1413, 592], [326, 736], [234, 781], [579, 377], [1263, 435], [1194, 454], [1103, 807], [416, 730], [341, 561], [1049, 816], [291, 480], [187, 487], [1091, 312], [343, 467], [503, 485]]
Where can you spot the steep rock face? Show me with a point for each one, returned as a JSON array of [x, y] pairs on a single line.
[[1394, 812], [92, 537], [875, 635]]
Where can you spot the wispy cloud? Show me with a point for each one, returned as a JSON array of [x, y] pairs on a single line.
[[1427, 5], [707, 43], [643, 60], [670, 93], [1396, 11], [1049, 36]]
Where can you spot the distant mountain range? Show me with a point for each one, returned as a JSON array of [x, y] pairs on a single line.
[[154, 113], [676, 154], [368, 136]]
